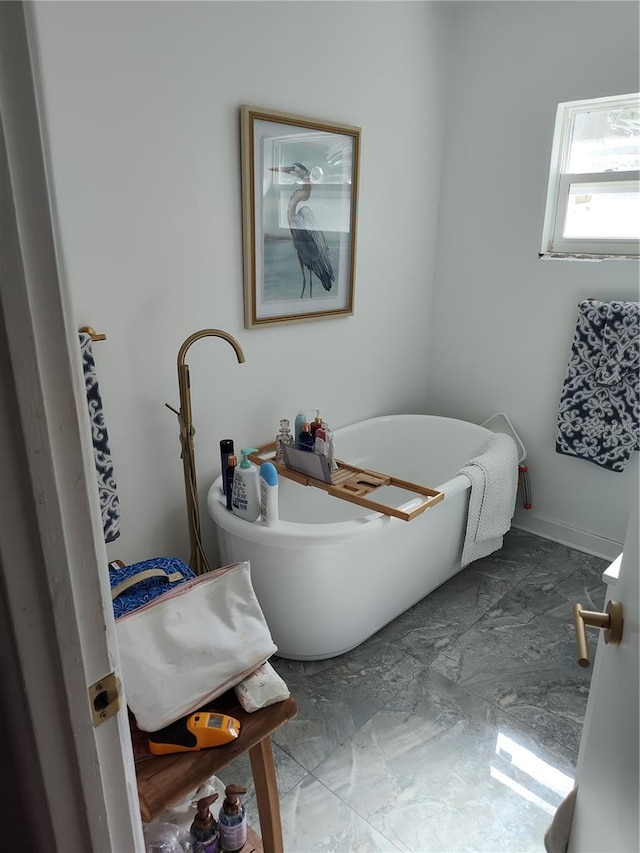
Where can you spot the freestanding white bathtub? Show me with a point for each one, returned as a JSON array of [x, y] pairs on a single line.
[[331, 573]]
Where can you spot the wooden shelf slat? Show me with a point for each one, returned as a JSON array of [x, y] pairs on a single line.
[[254, 843]]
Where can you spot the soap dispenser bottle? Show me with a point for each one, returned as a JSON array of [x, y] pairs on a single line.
[[317, 423], [205, 831], [233, 820], [245, 499]]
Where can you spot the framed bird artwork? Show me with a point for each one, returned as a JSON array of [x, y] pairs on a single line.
[[299, 200]]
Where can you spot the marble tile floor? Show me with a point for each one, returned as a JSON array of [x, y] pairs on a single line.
[[454, 728]]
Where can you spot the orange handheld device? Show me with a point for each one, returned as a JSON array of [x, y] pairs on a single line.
[[198, 731]]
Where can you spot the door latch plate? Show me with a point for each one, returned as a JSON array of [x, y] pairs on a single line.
[[104, 698]]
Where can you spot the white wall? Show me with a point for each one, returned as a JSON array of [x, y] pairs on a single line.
[[141, 104], [141, 110], [504, 320]]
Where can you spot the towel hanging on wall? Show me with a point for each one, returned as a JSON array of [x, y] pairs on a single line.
[[597, 416], [107, 488]]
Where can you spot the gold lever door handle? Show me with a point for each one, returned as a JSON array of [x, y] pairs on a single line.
[[610, 622]]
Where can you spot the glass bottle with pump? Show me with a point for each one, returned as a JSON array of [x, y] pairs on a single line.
[[233, 820], [205, 831]]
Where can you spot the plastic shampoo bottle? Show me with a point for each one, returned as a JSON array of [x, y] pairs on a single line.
[[269, 494], [301, 420], [205, 832], [233, 820], [245, 500]]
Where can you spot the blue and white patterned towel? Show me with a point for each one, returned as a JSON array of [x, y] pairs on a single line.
[[107, 488], [599, 412]]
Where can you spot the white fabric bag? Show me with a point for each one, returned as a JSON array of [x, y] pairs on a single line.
[[188, 646]]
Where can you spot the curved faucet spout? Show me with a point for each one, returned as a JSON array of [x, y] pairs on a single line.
[[197, 560], [212, 333]]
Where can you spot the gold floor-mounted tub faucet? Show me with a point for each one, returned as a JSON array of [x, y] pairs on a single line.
[[197, 558]]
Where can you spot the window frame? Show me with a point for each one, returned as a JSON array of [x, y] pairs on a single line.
[[554, 245]]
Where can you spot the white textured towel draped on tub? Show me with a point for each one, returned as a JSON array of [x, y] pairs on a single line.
[[494, 485]]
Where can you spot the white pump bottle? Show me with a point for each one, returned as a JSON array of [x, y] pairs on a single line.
[[245, 499]]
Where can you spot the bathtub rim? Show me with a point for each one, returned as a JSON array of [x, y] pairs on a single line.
[[293, 534]]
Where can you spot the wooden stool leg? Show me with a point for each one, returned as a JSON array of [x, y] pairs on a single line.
[[264, 778]]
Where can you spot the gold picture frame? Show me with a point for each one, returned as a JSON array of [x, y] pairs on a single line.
[[299, 216]]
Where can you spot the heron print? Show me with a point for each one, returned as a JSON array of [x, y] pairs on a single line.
[[309, 241], [299, 203]]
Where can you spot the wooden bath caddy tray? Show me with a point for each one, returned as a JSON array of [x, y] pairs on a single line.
[[354, 484]]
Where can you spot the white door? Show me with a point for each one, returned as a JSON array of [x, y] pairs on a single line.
[[606, 812], [75, 782]]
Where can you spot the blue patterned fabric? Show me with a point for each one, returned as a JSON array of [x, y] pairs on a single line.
[[145, 590], [107, 488], [599, 412]]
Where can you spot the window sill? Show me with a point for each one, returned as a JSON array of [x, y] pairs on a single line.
[[584, 256]]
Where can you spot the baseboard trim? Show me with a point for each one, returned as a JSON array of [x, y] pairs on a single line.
[[578, 539]]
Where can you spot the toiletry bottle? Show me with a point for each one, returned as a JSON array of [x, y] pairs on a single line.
[[205, 831], [283, 437], [320, 439], [305, 439], [301, 420], [245, 498], [229, 474], [317, 423], [269, 494], [233, 820], [330, 448], [226, 450]]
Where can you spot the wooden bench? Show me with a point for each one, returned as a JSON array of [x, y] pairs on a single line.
[[164, 780]]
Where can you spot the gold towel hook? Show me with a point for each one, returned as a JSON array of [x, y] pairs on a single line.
[[95, 336]]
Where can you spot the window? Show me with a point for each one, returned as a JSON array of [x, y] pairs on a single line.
[[593, 198]]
